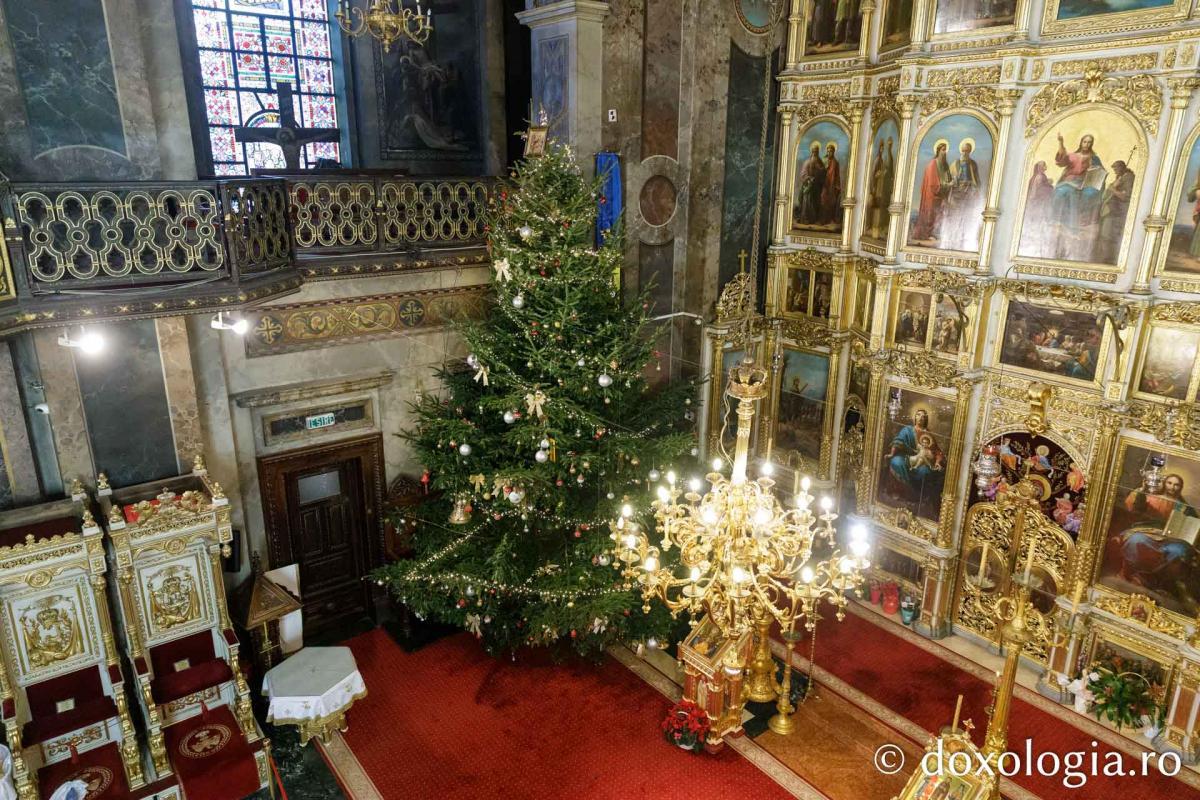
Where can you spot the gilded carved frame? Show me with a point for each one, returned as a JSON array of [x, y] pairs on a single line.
[[804, 336], [1169, 280], [1117, 22], [800, 123], [1172, 316]]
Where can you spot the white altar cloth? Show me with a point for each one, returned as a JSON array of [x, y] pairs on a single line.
[[313, 684]]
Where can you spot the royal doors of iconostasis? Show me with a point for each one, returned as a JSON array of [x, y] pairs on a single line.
[[994, 553]]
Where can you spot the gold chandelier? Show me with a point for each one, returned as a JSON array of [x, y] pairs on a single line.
[[745, 560], [386, 20]]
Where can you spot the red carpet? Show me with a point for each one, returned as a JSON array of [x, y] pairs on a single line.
[[448, 721], [922, 687], [100, 768]]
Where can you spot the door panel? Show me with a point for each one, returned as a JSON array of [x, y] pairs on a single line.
[[325, 518]]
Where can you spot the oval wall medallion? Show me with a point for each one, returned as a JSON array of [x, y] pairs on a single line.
[[755, 15], [657, 200]]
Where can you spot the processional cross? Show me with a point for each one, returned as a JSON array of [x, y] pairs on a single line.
[[289, 136]]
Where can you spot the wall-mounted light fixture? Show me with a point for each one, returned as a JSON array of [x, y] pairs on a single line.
[[89, 342], [237, 324]]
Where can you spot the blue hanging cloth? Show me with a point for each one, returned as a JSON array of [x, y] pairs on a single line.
[[608, 166]]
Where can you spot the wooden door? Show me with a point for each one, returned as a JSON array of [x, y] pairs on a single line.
[[322, 513]]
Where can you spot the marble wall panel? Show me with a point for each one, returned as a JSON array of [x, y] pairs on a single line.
[[180, 384], [61, 389], [128, 416], [655, 268], [18, 472], [660, 79], [743, 123], [551, 84]]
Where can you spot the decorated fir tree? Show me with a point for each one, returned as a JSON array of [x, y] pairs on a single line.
[[541, 436]]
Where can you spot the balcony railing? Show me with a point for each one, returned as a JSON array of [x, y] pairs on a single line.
[[64, 237]]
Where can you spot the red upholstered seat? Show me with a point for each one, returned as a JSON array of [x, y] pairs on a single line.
[[101, 769], [83, 686], [203, 668], [212, 758]]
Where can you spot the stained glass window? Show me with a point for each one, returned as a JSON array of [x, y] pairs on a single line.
[[244, 47]]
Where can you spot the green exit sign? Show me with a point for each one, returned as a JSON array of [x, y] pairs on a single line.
[[319, 421]]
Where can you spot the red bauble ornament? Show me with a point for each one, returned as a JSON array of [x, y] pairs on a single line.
[[573, 634], [462, 603]]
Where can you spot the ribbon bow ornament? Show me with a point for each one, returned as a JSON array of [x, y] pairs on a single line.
[[503, 273], [599, 626], [481, 374], [534, 402], [477, 480], [473, 625]]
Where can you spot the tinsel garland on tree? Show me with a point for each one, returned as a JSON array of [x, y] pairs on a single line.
[[542, 434]]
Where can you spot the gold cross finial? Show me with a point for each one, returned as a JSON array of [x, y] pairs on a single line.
[[742, 256]]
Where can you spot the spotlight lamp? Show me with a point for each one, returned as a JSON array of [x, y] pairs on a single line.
[[238, 324], [89, 342]]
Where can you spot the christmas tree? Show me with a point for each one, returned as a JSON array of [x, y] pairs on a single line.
[[542, 435]]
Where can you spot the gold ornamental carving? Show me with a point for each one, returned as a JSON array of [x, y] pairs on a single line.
[[921, 367], [819, 100], [886, 102], [174, 599], [963, 77], [1176, 423], [51, 631], [735, 299], [1141, 609], [806, 332], [1140, 95], [1090, 299], [1176, 312], [1137, 62]]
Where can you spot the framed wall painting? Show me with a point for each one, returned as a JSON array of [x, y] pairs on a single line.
[[1082, 182], [1151, 532], [821, 161], [972, 17], [1044, 340], [1179, 262], [948, 187], [1057, 473], [1167, 368], [917, 427], [802, 408], [864, 303], [832, 27], [755, 15], [881, 179], [1067, 17], [806, 292], [896, 28], [919, 321]]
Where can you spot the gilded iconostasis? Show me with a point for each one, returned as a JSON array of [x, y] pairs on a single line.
[[986, 237]]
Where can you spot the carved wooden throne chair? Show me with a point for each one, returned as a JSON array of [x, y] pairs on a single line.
[[166, 540], [63, 699]]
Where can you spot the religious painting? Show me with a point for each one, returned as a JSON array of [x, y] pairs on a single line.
[[916, 441], [860, 381], [1081, 186], [800, 421], [834, 26], [948, 324], [1183, 249], [796, 299], [1169, 362], [820, 178], [429, 94], [864, 303], [1150, 546], [912, 318], [944, 785], [949, 189], [808, 292], [1077, 9], [1053, 341], [897, 23], [722, 424], [954, 16], [1060, 477], [881, 179]]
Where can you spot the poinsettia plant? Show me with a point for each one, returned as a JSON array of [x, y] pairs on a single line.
[[686, 725], [1120, 693]]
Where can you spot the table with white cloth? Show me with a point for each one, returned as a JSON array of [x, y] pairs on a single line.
[[313, 689]]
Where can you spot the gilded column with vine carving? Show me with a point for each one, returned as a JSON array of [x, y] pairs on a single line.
[[1156, 222], [783, 183], [849, 201], [908, 106], [795, 33], [867, 12], [1099, 496], [1007, 103]]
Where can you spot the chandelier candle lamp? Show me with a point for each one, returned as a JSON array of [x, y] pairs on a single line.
[[386, 20], [745, 562]]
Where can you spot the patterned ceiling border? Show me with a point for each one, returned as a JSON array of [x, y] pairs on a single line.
[[308, 326]]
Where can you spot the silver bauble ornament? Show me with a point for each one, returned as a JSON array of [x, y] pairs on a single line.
[[525, 231], [580, 363], [510, 417], [605, 380], [472, 359], [464, 449], [518, 301], [653, 475], [544, 444], [541, 456]]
